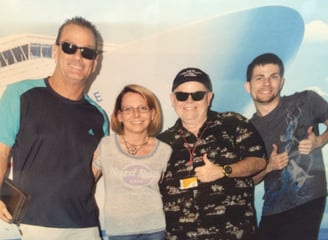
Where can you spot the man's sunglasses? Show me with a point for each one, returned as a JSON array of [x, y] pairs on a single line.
[[196, 96], [70, 48]]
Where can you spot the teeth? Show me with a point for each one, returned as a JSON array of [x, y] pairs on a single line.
[[265, 91], [189, 109], [77, 67], [137, 122]]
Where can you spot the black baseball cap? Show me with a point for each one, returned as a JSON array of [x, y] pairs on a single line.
[[192, 74]]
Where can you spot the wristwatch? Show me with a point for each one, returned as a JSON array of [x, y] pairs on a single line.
[[227, 170]]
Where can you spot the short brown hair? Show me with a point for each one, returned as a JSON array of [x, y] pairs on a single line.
[[155, 125], [263, 59], [80, 21]]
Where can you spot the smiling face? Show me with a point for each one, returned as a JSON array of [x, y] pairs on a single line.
[[74, 68], [135, 113], [192, 112], [265, 85]]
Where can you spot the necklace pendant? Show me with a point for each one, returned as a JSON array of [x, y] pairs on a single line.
[[133, 150]]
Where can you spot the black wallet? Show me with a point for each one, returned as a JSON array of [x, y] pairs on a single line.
[[15, 199]]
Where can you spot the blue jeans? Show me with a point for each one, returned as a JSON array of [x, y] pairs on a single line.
[[142, 236]]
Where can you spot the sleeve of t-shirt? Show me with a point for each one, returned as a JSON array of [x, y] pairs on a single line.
[[319, 107], [9, 115]]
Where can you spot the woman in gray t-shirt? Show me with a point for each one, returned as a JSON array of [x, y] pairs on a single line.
[[131, 162]]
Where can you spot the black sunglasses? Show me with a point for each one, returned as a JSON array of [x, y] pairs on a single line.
[[70, 48], [196, 96]]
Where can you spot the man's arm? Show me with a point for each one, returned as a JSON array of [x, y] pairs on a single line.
[[306, 146], [244, 168], [312, 141], [97, 172], [276, 162], [4, 156], [247, 167]]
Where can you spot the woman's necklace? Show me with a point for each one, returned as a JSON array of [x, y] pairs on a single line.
[[133, 149]]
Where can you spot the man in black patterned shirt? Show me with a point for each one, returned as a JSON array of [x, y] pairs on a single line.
[[207, 188]]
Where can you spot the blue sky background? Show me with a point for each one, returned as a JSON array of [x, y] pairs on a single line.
[[123, 21], [144, 16]]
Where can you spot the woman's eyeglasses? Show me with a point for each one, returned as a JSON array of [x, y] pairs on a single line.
[[70, 48], [130, 109], [196, 96]]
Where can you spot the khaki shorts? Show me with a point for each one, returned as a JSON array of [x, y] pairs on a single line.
[[31, 232]]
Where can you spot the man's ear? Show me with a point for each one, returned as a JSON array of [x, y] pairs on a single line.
[[95, 64], [247, 87], [282, 83], [55, 50], [210, 97], [172, 97]]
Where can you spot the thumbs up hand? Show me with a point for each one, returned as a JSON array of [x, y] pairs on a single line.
[[277, 161], [307, 145], [209, 172]]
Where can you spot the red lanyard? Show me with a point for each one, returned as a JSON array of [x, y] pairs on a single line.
[[192, 151]]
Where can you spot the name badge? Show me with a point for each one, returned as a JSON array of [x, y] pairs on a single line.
[[188, 183]]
